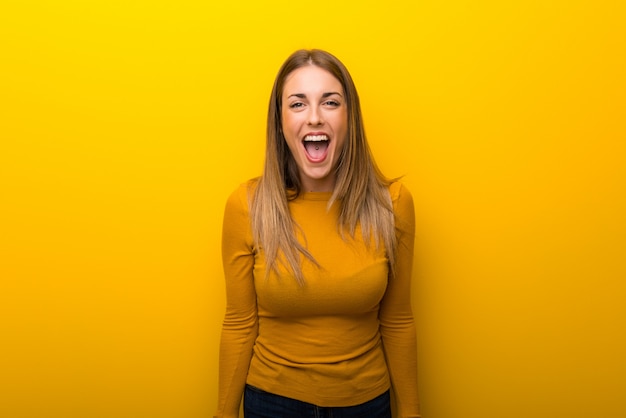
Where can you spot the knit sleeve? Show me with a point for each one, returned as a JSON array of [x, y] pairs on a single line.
[[397, 325], [240, 326]]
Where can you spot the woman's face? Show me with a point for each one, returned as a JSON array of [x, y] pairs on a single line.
[[315, 125]]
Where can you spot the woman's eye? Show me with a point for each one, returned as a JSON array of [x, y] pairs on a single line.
[[296, 105], [332, 103]]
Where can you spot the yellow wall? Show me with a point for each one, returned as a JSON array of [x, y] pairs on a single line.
[[125, 124]]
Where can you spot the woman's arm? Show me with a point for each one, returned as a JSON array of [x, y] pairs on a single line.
[[397, 325], [240, 326]]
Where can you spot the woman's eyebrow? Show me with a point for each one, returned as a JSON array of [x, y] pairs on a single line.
[[324, 95]]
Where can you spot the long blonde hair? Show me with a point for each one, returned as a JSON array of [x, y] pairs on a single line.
[[361, 190]]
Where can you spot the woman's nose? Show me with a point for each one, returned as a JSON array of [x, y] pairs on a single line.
[[315, 117]]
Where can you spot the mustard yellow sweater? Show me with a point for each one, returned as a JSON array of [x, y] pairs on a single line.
[[343, 338]]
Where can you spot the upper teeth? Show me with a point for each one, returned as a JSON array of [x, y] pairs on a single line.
[[316, 138]]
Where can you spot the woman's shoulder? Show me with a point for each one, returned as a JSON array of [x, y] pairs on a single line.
[[247, 187], [402, 202], [398, 191], [403, 207], [242, 195]]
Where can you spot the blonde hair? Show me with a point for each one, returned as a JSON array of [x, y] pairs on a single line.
[[361, 190]]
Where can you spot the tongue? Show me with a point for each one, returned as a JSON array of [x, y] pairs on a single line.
[[316, 149]]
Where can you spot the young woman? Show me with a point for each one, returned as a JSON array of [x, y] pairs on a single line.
[[317, 256]]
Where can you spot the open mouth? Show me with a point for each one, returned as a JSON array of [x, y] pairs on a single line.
[[316, 146]]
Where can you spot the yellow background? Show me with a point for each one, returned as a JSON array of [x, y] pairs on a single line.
[[124, 125]]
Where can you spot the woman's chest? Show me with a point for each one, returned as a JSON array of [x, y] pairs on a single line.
[[350, 276]]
